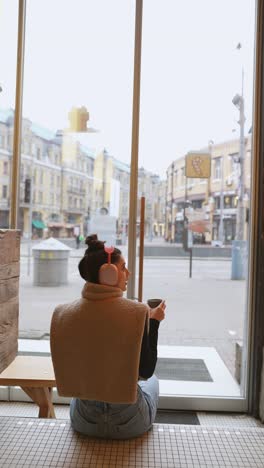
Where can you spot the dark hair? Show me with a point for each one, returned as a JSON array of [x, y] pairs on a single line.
[[94, 257]]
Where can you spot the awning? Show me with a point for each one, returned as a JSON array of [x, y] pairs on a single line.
[[56, 225], [199, 226], [38, 224]]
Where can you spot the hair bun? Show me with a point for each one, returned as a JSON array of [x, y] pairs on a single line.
[[93, 243]]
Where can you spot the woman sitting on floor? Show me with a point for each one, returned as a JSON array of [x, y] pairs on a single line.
[[104, 350]]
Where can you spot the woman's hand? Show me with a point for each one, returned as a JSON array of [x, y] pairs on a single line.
[[158, 313]]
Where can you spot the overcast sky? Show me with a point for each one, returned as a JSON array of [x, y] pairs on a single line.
[[80, 52]]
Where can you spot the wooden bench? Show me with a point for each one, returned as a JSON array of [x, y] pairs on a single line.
[[35, 375]]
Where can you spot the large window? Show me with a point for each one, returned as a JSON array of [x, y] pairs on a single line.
[[75, 167], [76, 140], [192, 74], [8, 39]]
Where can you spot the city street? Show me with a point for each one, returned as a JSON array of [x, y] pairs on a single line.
[[206, 310]]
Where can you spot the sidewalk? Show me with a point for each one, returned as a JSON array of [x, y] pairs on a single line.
[[207, 310]]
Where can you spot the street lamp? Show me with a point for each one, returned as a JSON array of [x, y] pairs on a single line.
[[221, 175], [221, 222], [238, 102], [239, 245], [172, 201], [208, 197]]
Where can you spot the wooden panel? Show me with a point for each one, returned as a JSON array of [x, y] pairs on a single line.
[[9, 246], [10, 270], [29, 371], [8, 290], [9, 310], [9, 284], [8, 332]]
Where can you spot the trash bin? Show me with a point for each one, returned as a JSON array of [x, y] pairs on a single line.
[[239, 260], [50, 263]]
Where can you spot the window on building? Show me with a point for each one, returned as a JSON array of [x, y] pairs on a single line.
[[38, 153], [5, 168], [176, 177], [230, 201], [182, 175], [197, 204], [217, 203], [4, 191], [227, 202], [40, 197], [26, 147], [9, 140], [217, 168], [234, 162]]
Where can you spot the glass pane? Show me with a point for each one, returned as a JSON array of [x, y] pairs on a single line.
[[76, 144], [8, 49], [198, 77]]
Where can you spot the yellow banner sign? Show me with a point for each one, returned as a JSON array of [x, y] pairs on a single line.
[[198, 165]]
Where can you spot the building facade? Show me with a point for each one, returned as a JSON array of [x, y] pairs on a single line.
[[63, 184], [209, 204]]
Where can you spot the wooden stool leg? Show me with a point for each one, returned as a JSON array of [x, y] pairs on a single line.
[[42, 396]]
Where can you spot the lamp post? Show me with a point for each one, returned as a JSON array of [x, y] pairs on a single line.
[[239, 253], [221, 222], [172, 200], [238, 101], [208, 197]]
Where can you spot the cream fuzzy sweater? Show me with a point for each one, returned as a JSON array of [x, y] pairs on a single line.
[[96, 343]]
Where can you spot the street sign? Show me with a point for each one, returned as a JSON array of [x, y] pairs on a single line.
[[197, 221], [187, 239], [198, 165]]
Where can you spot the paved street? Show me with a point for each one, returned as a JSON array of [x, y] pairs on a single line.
[[206, 310]]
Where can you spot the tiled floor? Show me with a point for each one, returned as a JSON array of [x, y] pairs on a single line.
[[30, 410], [34, 443], [228, 420]]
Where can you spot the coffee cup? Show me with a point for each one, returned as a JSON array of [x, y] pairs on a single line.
[[152, 303]]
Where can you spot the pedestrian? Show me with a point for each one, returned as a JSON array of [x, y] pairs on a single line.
[[104, 350], [77, 241]]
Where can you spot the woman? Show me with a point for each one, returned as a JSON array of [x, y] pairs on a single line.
[[102, 346]]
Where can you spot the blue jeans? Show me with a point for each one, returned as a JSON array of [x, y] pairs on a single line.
[[117, 421]]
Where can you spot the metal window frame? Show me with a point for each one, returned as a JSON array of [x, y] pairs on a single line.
[[15, 174], [256, 273], [132, 227], [256, 267]]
